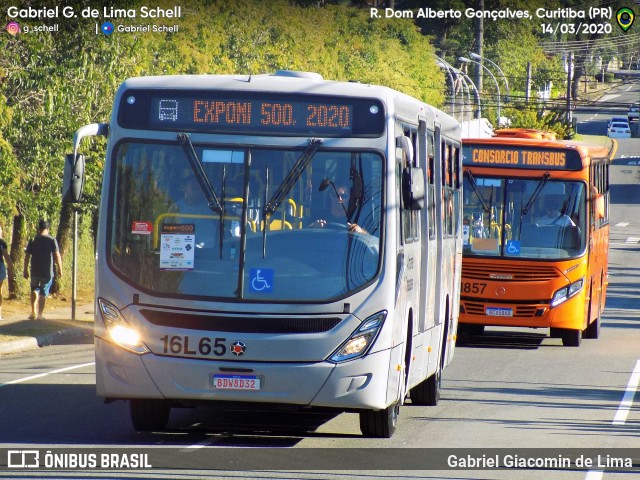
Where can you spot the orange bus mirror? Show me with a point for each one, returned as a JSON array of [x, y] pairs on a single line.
[[599, 206]]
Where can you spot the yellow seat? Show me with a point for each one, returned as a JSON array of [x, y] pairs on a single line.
[[278, 224]]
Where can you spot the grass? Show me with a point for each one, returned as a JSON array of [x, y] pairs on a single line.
[[594, 139]]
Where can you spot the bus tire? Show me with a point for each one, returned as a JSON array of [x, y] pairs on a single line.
[[427, 392], [571, 338], [468, 330], [555, 332], [380, 423], [149, 415], [593, 330]]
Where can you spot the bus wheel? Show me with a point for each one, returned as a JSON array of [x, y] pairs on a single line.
[[380, 423], [427, 392], [593, 330], [148, 415], [468, 330], [571, 338], [555, 332]]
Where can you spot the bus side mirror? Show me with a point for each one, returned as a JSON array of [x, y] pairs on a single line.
[[599, 206], [73, 179], [413, 188]]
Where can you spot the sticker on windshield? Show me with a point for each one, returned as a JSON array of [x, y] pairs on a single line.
[[177, 243], [261, 279], [513, 247]]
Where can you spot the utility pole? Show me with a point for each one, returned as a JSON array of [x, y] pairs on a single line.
[[479, 33], [569, 85], [527, 91]]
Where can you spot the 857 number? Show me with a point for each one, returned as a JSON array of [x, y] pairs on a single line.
[[473, 287]]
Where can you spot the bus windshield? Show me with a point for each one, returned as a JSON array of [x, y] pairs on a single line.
[[524, 218], [166, 237]]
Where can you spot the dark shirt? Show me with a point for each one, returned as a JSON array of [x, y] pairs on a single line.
[[42, 249], [3, 246]]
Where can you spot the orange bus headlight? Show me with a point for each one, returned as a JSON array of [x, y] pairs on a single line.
[[567, 292], [119, 329], [361, 340]]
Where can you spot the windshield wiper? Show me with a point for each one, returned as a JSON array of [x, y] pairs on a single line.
[[212, 199], [285, 187], [477, 191], [534, 195], [196, 165], [292, 177]]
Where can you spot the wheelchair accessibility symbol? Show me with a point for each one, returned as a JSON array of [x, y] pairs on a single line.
[[261, 279], [513, 247]]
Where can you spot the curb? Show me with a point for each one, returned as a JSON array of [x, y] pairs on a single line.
[[32, 343]]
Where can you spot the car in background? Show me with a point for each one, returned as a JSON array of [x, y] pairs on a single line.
[[619, 130], [617, 120], [634, 113]]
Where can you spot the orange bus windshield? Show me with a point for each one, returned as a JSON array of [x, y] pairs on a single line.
[[528, 218]]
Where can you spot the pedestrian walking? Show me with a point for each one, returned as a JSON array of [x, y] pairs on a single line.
[[42, 256], [6, 266]]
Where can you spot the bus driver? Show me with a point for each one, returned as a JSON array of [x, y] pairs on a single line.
[[554, 216]]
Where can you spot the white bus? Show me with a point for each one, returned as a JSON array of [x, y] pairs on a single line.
[[277, 239]]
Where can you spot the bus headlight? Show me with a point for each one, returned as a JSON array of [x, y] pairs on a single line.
[[361, 340], [567, 292], [119, 329]]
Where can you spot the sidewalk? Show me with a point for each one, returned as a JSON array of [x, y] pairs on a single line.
[[18, 334]]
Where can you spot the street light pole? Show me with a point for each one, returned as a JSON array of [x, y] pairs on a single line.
[[467, 90], [464, 77], [504, 77], [444, 65], [468, 60]]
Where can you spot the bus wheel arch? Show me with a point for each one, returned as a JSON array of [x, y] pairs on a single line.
[[427, 392], [592, 331], [408, 354]]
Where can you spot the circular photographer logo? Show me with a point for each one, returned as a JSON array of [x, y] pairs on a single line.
[[107, 28]]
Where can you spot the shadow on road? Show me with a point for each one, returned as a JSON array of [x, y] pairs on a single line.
[[69, 413], [503, 339]]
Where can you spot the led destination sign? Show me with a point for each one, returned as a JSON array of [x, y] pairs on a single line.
[[521, 157], [249, 112]]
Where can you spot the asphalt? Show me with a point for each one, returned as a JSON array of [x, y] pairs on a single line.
[[18, 334]]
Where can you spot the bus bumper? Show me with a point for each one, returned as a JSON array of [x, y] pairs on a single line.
[[360, 383], [569, 314]]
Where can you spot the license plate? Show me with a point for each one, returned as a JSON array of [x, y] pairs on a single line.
[[499, 312], [236, 382]]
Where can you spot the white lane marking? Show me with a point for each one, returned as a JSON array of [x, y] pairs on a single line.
[[622, 224], [632, 240], [627, 399], [52, 372], [623, 411]]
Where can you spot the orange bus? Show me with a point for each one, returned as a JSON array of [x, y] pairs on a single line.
[[535, 234]]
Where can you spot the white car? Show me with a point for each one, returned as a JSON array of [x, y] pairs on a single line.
[[617, 120], [619, 130], [634, 113]]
